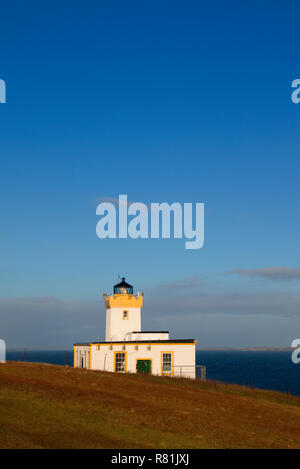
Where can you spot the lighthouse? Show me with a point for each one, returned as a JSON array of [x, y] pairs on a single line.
[[127, 348], [123, 312]]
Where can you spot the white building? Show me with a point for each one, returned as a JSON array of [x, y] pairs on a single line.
[[129, 349]]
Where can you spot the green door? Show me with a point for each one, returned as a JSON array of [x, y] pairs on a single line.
[[143, 366]]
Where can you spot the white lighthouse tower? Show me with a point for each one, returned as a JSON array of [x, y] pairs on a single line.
[[123, 312]]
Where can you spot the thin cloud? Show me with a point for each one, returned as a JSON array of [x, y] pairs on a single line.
[[49, 322], [281, 304], [272, 273]]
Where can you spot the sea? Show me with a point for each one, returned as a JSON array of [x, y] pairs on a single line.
[[260, 369]]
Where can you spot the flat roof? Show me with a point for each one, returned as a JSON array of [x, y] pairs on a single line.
[[163, 341]]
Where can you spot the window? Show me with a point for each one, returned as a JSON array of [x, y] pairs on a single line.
[[127, 290], [167, 362], [120, 362], [125, 314]]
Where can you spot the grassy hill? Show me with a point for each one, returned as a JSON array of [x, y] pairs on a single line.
[[47, 406]]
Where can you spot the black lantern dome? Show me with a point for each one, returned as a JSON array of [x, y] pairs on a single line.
[[123, 287]]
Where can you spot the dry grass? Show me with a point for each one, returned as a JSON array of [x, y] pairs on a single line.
[[47, 406]]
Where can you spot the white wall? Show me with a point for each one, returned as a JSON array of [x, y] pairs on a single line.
[[118, 328], [140, 336], [81, 356], [184, 355]]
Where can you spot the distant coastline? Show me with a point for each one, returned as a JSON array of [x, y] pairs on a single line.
[[213, 349]]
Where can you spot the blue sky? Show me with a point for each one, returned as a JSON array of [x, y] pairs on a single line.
[[163, 101]]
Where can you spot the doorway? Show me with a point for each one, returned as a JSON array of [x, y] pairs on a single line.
[[143, 366]]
